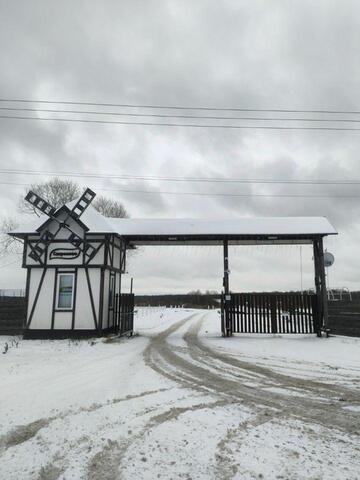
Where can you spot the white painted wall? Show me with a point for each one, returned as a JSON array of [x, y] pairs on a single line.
[[42, 314], [84, 319], [62, 320]]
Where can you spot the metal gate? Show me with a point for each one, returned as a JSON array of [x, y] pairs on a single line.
[[269, 313], [124, 313]]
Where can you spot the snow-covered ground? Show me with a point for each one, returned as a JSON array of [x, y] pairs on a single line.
[[178, 401]]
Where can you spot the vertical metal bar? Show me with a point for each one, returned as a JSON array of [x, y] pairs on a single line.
[[273, 303], [297, 314], [261, 297], [246, 306], [323, 285], [242, 307], [226, 288], [256, 311], [238, 312], [268, 322], [280, 304], [256, 297], [291, 310], [317, 321], [302, 301], [252, 307], [313, 320], [222, 300]]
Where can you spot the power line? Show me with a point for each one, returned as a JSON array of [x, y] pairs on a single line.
[[205, 194], [188, 125], [180, 179], [198, 117], [180, 107]]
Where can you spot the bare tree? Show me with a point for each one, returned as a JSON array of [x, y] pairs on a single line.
[[109, 207], [8, 244], [58, 192], [55, 191]]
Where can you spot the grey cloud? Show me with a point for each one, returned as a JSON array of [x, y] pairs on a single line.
[[231, 53]]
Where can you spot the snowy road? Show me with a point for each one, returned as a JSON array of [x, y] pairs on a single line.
[[177, 401]]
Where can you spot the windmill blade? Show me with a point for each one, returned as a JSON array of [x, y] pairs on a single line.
[[82, 245], [38, 250], [36, 201], [82, 204]]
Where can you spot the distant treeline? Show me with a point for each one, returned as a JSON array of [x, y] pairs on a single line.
[[189, 300]]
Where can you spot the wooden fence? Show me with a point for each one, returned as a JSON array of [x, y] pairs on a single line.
[[12, 315], [269, 313], [124, 313], [344, 316]]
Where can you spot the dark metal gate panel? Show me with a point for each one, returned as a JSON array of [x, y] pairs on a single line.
[[124, 313], [269, 313]]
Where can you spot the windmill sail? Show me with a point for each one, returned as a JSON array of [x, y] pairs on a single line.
[[81, 205], [36, 201]]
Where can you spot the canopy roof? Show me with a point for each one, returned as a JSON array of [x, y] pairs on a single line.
[[198, 231]]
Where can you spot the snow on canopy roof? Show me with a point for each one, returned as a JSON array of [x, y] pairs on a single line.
[[246, 226], [235, 226]]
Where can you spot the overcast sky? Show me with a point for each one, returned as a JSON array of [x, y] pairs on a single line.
[[230, 53]]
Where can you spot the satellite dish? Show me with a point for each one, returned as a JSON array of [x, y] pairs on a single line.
[[329, 259]]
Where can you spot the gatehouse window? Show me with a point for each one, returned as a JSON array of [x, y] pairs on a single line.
[[65, 291]]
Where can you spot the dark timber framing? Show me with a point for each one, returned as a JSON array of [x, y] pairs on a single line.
[[112, 260], [91, 300]]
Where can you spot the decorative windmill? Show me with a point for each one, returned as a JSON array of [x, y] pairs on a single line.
[[47, 237]]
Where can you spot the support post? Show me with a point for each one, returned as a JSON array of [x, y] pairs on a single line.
[[226, 267], [227, 320], [323, 286], [320, 286]]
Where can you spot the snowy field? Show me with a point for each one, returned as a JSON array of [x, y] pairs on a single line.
[[177, 401]]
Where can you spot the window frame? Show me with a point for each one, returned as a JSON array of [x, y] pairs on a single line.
[[57, 307]]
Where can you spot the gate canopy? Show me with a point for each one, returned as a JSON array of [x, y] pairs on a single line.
[[237, 231]]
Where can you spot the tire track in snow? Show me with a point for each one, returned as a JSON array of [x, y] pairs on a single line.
[[200, 377], [330, 415], [192, 337], [226, 466], [108, 463], [23, 433]]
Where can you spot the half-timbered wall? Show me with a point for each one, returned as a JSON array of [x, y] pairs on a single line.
[[40, 298], [91, 309]]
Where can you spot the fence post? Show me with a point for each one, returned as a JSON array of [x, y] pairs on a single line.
[[222, 304], [316, 318], [227, 297], [320, 289]]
